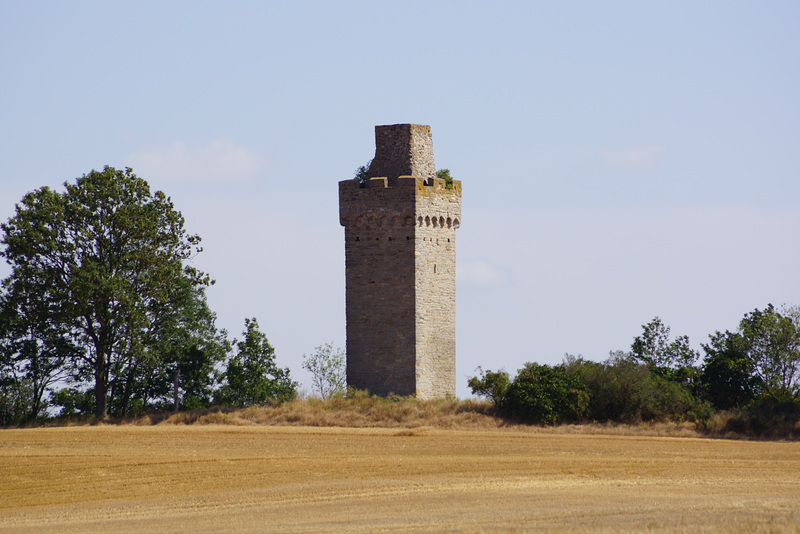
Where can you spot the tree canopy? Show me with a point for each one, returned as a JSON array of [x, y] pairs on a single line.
[[96, 271], [772, 343]]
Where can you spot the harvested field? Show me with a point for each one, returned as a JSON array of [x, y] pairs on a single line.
[[177, 478]]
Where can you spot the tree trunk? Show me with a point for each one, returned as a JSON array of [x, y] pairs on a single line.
[[175, 389], [100, 394], [100, 387], [126, 391]]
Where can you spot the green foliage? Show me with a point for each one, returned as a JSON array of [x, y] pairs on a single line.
[[546, 395], [672, 359], [95, 270], [772, 342], [444, 174], [328, 370], [74, 401], [623, 389], [620, 389], [728, 377], [16, 400], [490, 384], [188, 349], [361, 174], [33, 351], [252, 377]]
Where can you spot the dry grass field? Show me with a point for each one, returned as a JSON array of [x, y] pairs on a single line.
[[214, 477]]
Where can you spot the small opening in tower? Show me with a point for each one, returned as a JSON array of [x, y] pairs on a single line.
[[408, 238], [390, 239], [357, 239], [434, 268]]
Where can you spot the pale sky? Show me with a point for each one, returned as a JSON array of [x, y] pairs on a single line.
[[619, 160]]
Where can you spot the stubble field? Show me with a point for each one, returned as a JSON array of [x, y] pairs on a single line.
[[169, 478]]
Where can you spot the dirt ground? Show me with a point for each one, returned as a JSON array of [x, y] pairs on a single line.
[[289, 479]]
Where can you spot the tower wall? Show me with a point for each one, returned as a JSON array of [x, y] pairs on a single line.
[[438, 216], [400, 270]]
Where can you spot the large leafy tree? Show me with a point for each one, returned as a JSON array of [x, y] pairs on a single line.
[[772, 342], [108, 260]]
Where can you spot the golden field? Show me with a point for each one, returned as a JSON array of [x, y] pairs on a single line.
[[213, 477]]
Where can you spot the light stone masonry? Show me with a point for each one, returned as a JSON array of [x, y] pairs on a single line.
[[400, 266]]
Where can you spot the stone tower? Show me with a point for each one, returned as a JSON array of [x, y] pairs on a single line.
[[400, 263]]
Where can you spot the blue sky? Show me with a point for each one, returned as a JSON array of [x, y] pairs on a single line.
[[620, 160]]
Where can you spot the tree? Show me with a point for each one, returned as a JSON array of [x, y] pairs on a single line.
[[16, 398], [493, 385], [188, 348], [728, 376], [672, 359], [328, 371], [772, 342], [252, 377], [32, 355], [105, 257]]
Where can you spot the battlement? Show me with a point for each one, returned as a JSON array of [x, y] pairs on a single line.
[[405, 182], [408, 198]]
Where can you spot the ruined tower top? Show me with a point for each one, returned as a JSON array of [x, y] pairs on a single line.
[[402, 150]]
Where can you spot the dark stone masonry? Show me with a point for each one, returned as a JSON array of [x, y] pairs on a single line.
[[400, 263]]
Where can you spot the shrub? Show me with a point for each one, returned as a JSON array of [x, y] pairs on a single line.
[[767, 418], [444, 174], [621, 389], [360, 175], [492, 385], [546, 395]]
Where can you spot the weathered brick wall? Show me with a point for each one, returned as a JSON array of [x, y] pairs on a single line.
[[402, 150], [400, 270]]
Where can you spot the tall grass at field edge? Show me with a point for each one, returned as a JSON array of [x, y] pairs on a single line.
[[365, 411], [357, 412]]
